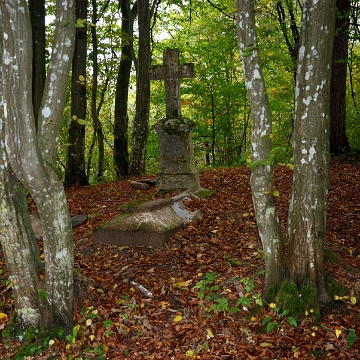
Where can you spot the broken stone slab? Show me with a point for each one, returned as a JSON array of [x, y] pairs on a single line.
[[149, 224], [143, 184], [76, 220], [137, 185]]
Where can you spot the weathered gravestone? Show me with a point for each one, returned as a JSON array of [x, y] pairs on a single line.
[[151, 223], [175, 132]]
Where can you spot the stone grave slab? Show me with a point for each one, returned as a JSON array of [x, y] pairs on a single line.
[[149, 224]]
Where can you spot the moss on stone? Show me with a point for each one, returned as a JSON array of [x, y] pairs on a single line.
[[204, 193]]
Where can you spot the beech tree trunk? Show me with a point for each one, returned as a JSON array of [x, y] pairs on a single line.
[[75, 169], [262, 175], [305, 233], [306, 225], [141, 121], [42, 291]]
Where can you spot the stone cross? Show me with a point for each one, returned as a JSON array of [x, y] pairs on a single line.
[[171, 72]]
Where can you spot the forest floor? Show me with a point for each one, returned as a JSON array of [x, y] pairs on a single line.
[[194, 312]]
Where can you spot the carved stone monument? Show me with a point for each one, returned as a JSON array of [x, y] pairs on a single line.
[[175, 132], [151, 223]]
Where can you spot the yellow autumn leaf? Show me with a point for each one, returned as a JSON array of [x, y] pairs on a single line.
[[353, 300], [81, 78], [9, 285], [88, 322], [209, 333], [164, 304], [272, 305], [177, 318], [337, 333], [151, 270], [3, 316], [190, 353], [276, 193], [92, 337]]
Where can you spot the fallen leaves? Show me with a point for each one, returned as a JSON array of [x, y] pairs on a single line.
[[220, 255]]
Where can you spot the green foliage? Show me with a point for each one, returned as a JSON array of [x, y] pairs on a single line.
[[274, 323], [351, 337], [41, 295], [213, 294], [216, 99]]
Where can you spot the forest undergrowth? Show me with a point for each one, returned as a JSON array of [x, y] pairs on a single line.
[[205, 286]]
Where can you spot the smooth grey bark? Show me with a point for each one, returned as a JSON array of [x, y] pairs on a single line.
[[305, 233], [141, 121], [262, 175], [75, 169], [29, 158], [306, 225]]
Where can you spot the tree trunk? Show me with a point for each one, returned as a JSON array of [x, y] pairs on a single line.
[[75, 170], [37, 15], [338, 139], [262, 163], [94, 92], [305, 231], [141, 121], [15, 224], [29, 158], [121, 154]]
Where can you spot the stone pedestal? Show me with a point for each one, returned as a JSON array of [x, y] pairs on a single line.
[[176, 156]]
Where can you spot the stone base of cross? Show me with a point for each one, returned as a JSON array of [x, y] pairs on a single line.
[[178, 170], [175, 132]]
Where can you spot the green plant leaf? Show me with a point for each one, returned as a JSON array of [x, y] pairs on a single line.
[[81, 121], [80, 23], [351, 338], [291, 321], [266, 320], [271, 326]]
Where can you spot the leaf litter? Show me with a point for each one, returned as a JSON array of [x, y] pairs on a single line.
[[199, 298]]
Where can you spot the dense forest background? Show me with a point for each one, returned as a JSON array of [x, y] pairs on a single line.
[[117, 40]]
